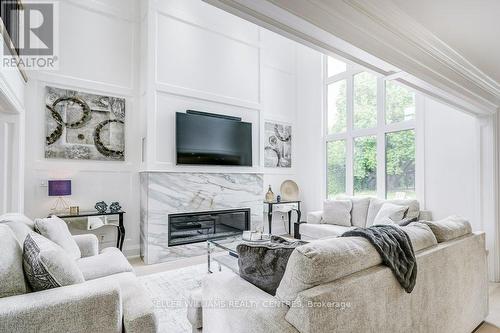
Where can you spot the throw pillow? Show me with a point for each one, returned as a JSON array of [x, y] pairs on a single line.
[[390, 213], [263, 264], [376, 204], [11, 264], [337, 212], [46, 265], [407, 220], [449, 228], [57, 231]]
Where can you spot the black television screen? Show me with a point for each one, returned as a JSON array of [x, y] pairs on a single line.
[[212, 140]]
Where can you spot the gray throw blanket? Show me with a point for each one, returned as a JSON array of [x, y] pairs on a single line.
[[394, 246]]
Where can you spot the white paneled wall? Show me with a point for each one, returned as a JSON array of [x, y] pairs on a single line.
[[163, 57], [451, 163], [202, 58], [12, 115], [11, 199], [99, 54]]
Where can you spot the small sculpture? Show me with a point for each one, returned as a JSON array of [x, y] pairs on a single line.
[[115, 207], [278, 198], [269, 195], [101, 207]]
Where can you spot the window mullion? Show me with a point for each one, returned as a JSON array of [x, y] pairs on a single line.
[[349, 139], [381, 186], [419, 149]]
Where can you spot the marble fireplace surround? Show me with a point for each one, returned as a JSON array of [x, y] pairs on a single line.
[[164, 193]]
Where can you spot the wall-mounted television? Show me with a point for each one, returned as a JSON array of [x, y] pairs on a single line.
[[212, 139]]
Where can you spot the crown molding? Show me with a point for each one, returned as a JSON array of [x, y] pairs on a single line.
[[381, 35], [386, 14]]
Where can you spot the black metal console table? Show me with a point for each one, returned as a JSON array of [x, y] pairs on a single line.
[[120, 227], [283, 207]]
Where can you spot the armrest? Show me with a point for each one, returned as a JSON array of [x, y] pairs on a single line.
[[93, 306], [229, 302], [88, 244], [315, 217]]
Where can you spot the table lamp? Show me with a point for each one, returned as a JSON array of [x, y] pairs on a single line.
[[59, 188]]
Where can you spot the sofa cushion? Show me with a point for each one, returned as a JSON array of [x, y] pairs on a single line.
[[359, 211], [20, 225], [421, 236], [449, 228], [317, 231], [263, 264], [390, 213], [20, 230], [323, 261], [46, 266], [110, 261], [57, 231], [11, 264], [376, 204], [138, 309], [17, 217], [337, 212]]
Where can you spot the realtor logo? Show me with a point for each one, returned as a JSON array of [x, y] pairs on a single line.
[[32, 29]]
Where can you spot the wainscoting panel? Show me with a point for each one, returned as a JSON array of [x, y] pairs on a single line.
[[199, 59]]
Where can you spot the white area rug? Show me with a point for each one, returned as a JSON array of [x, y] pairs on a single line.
[[170, 292]]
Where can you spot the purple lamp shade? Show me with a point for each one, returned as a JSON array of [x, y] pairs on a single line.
[[58, 188]]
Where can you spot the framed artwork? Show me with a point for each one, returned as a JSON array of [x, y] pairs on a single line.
[[83, 126], [277, 145]]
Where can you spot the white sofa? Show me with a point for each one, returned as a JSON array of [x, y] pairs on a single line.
[[340, 285], [364, 210], [111, 300]]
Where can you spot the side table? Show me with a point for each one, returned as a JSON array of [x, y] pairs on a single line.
[[120, 227], [282, 207]]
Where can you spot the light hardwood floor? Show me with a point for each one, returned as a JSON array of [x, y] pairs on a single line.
[[491, 324]]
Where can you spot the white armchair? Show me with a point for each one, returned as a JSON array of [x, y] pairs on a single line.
[[111, 300]]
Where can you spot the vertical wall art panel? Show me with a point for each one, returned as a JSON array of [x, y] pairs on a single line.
[[83, 126], [277, 145]]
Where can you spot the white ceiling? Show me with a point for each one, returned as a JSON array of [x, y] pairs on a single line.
[[470, 27]]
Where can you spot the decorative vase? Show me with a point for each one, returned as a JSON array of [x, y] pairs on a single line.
[[269, 195], [101, 207], [278, 198], [115, 207]]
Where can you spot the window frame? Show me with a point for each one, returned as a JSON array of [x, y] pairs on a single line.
[[379, 131]]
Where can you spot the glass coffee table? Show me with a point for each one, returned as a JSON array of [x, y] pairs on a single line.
[[230, 258]]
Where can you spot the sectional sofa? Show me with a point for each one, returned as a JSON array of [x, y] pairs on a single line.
[[339, 284]]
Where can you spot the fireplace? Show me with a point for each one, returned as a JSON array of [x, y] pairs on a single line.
[[187, 228]]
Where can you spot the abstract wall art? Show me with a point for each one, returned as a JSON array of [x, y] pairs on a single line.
[[277, 145], [83, 126]]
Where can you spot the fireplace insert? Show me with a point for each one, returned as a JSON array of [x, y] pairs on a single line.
[[187, 228]]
